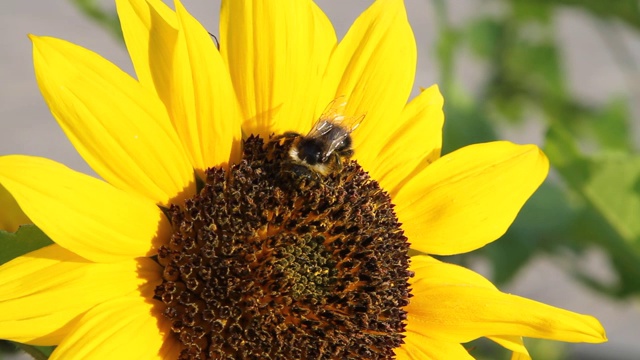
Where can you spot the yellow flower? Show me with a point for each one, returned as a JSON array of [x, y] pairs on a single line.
[[108, 286]]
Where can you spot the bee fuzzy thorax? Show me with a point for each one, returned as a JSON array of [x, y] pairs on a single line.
[[321, 152], [319, 168]]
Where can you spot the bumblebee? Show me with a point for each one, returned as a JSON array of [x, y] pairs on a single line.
[[324, 149]]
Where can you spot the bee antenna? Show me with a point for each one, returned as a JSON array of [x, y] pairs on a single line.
[[215, 39]]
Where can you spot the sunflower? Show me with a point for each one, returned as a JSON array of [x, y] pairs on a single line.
[[197, 244]]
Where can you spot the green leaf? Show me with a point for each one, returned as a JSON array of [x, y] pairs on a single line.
[[28, 238], [541, 225], [527, 10], [614, 190], [108, 19], [610, 185], [36, 352], [470, 124], [536, 64], [625, 10], [611, 126], [609, 182], [482, 35]]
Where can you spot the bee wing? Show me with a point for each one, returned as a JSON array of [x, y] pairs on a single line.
[[320, 128], [333, 115], [348, 124], [333, 126]]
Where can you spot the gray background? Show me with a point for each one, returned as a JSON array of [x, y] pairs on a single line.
[[26, 126]]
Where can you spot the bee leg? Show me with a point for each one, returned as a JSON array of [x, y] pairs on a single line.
[[286, 135], [301, 174], [347, 153], [279, 144], [282, 138], [338, 163]]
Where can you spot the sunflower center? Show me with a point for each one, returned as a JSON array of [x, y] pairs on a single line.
[[272, 264]]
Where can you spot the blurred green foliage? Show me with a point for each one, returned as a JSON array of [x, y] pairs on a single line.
[[592, 198], [107, 18], [28, 238]]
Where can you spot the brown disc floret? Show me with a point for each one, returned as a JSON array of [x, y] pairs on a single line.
[[265, 264]]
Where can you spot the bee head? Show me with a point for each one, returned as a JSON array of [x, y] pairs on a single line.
[[311, 151]]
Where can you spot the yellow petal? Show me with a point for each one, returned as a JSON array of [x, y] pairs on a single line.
[[463, 313], [119, 127], [455, 304], [468, 198], [520, 356], [277, 53], [414, 145], [373, 68], [42, 292], [206, 113], [81, 213], [515, 344], [430, 271], [150, 30], [129, 327], [11, 216], [420, 347]]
